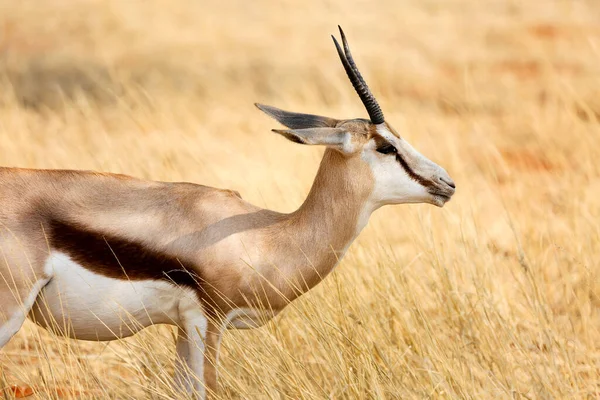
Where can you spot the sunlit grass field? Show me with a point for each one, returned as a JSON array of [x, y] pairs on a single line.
[[497, 295]]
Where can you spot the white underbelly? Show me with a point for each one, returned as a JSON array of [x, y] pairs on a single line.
[[84, 305]]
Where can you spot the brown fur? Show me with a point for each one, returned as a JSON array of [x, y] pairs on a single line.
[[127, 228], [111, 256], [235, 256]]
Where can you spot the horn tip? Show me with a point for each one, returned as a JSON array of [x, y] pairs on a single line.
[[336, 42], [263, 107]]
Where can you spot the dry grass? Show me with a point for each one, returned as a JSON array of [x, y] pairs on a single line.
[[495, 296]]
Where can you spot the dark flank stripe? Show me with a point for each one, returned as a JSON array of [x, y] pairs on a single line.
[[119, 258]]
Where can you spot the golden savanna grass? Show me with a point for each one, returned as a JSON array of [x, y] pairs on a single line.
[[497, 295]]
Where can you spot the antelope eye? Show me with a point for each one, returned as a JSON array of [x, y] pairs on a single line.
[[387, 149]]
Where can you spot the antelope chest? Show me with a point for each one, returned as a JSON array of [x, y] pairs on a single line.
[[84, 305]]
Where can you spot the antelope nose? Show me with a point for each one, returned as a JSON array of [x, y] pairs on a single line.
[[448, 181]]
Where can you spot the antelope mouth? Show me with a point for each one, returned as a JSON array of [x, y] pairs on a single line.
[[440, 198]]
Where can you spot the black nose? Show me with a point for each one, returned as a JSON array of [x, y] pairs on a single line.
[[448, 182]]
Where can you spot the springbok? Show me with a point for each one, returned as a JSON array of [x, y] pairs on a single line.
[[97, 256]]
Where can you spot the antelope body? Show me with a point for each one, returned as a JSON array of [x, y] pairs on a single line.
[[98, 256]]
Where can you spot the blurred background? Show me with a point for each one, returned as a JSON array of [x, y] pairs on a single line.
[[495, 296]]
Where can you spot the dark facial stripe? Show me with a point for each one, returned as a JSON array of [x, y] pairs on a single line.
[[382, 142], [118, 258], [413, 175]]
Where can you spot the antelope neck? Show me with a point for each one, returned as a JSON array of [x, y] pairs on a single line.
[[335, 210]]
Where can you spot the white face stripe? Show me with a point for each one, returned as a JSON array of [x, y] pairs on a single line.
[[383, 131], [410, 159], [403, 145], [397, 183]]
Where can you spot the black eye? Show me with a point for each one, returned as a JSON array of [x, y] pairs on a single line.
[[387, 149]]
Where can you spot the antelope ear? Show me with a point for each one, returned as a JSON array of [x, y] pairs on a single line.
[[297, 120], [336, 138]]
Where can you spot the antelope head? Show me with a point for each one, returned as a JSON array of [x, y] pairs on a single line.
[[400, 174]]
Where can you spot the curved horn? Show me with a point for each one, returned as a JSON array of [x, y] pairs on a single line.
[[357, 80]]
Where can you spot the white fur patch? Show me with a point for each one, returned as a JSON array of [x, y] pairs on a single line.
[[85, 305], [393, 185], [14, 323], [248, 318], [190, 348]]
